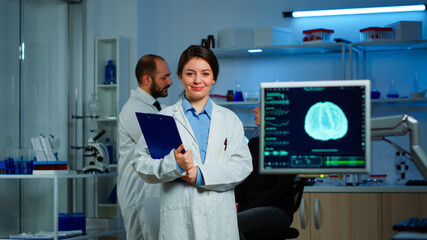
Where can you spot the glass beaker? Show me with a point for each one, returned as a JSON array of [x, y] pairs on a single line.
[[375, 93], [392, 93]]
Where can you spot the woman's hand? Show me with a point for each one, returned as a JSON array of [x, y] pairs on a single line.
[[184, 161], [191, 175]]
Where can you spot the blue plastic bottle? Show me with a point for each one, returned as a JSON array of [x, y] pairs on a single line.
[[110, 73], [110, 151]]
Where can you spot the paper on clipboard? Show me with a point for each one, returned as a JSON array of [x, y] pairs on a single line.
[[160, 133]]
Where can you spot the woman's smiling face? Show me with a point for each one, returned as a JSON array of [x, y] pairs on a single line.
[[197, 78]]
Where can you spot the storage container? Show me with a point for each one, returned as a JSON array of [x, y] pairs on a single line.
[[271, 36], [407, 30], [77, 221], [236, 37], [376, 33], [319, 35]]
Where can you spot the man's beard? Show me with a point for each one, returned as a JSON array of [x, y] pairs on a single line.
[[156, 93]]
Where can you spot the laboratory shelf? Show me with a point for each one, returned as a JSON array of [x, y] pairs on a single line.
[[397, 101], [107, 85], [403, 101], [312, 48], [248, 104], [363, 48], [389, 45]]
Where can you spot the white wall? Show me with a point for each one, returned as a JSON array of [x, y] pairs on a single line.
[[167, 27]]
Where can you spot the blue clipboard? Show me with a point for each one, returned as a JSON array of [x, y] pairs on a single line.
[[160, 133]]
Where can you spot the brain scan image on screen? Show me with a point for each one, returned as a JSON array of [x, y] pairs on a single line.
[[325, 121]]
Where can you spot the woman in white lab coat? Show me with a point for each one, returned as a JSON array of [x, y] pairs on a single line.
[[203, 205]]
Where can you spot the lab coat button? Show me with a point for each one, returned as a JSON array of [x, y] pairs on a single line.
[[208, 194]]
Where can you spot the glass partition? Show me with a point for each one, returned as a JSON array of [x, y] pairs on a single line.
[[33, 100]]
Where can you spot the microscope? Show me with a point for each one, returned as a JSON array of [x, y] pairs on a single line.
[[99, 155]]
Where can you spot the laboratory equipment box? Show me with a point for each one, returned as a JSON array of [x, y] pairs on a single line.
[[75, 221], [407, 30], [271, 36], [319, 35], [236, 37], [376, 34]]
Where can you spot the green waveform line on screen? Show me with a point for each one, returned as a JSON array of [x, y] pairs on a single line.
[[281, 153], [345, 162], [278, 124]]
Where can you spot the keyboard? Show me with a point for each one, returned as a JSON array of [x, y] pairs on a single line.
[[412, 225]]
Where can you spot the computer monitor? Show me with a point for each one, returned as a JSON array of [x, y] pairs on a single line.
[[315, 127]]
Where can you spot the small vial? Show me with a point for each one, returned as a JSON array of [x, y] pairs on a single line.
[[211, 41], [204, 43], [230, 96]]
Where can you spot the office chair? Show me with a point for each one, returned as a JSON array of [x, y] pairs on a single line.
[[280, 233]]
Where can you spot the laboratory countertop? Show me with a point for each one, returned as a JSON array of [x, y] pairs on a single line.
[[317, 188], [68, 175], [365, 189]]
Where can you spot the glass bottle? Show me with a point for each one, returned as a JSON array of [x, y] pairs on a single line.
[[230, 96], [375, 93], [110, 73], [211, 41], [93, 106], [392, 93]]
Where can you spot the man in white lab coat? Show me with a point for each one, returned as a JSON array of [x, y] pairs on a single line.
[[139, 201]]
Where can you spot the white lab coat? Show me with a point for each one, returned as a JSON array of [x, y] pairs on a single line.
[[139, 201], [203, 212]]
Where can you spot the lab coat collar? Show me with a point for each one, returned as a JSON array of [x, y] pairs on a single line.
[[179, 115], [143, 95], [186, 106]]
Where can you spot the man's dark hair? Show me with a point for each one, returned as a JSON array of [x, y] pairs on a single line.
[[147, 66]]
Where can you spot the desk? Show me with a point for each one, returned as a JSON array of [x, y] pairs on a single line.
[[360, 212]]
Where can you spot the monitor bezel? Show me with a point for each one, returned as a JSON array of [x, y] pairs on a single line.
[[320, 83]]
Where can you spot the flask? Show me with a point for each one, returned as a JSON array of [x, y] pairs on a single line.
[[93, 106], [110, 73], [110, 150], [375, 93], [211, 41], [392, 93], [230, 96], [238, 95]]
